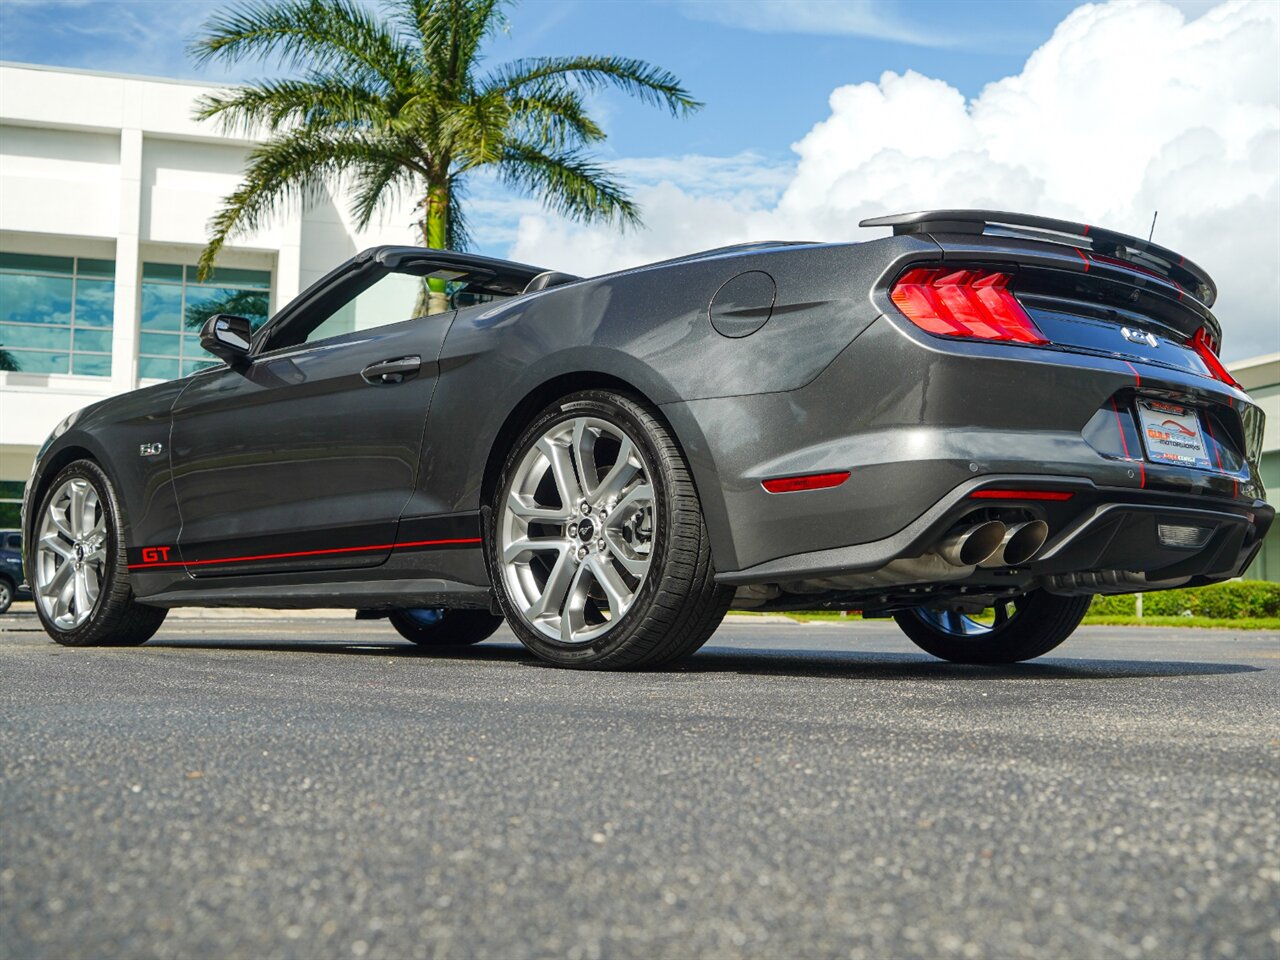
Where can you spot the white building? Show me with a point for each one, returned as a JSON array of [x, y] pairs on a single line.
[[107, 185]]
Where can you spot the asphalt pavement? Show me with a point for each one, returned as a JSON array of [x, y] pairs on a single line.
[[303, 786]]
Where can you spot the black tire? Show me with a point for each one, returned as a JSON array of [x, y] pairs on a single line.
[[679, 605], [1041, 622], [6, 595], [454, 628], [117, 619]]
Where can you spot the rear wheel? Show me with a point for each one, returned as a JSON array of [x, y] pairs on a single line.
[[81, 577], [596, 543], [1016, 629], [6, 595], [444, 628]]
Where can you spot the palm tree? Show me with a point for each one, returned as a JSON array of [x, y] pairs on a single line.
[[400, 104]]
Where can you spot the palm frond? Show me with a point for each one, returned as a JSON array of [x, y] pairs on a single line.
[[640, 79], [475, 130], [377, 185], [340, 35], [449, 34], [320, 100], [554, 117], [569, 183], [297, 167]]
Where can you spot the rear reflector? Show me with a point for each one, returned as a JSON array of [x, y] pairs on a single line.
[[1207, 351], [964, 303], [811, 481], [1021, 495]]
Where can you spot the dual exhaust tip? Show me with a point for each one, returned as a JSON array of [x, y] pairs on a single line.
[[994, 544]]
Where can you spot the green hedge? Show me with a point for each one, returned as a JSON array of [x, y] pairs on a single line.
[[1221, 601]]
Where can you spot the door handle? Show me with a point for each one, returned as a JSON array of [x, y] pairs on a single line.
[[392, 371]]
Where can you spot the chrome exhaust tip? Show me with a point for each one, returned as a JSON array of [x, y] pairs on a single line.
[[1021, 542], [972, 546]]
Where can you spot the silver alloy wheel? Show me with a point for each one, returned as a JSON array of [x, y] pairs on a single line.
[[576, 532], [71, 554]]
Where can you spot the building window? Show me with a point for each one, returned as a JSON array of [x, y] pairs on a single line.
[[175, 307], [56, 313]]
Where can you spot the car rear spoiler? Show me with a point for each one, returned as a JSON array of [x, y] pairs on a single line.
[[1142, 255]]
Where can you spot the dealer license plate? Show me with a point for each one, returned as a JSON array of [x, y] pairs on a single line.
[[1172, 434]]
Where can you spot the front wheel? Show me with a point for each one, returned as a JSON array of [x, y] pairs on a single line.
[[6, 595], [1013, 630], [81, 577], [444, 629], [595, 540]]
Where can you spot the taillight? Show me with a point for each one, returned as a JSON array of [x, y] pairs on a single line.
[[1202, 343], [964, 303]]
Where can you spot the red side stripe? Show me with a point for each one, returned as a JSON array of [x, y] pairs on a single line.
[[1142, 466], [303, 553], [1120, 425], [1217, 456], [1082, 257]]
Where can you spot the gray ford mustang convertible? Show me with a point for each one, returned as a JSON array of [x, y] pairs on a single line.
[[971, 426]]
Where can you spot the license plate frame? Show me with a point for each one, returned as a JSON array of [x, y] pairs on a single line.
[[1173, 433]]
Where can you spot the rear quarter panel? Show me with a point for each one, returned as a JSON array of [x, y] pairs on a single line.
[[649, 328]]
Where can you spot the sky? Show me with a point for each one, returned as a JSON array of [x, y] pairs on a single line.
[[820, 112]]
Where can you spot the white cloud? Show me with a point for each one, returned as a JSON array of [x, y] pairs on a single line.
[[1128, 108], [858, 18]]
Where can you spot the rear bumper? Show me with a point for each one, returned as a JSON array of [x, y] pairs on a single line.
[[1098, 528], [917, 424]]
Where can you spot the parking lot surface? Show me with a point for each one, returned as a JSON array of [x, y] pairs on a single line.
[[310, 786]]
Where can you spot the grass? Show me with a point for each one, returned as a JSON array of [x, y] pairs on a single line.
[[1242, 623], [1213, 623]]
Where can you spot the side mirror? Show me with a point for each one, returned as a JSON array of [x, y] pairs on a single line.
[[227, 337]]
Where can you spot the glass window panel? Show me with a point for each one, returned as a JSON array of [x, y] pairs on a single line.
[[160, 344], [91, 365], [223, 276], [164, 272], [161, 307], [44, 338], [150, 368], [204, 302], [191, 344], [394, 298], [95, 302], [34, 262], [95, 341], [29, 299], [95, 268], [29, 361]]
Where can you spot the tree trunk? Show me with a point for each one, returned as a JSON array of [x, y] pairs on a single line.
[[436, 237]]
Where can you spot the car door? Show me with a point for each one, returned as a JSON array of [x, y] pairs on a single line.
[[305, 456]]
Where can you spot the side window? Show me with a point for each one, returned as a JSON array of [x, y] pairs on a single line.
[[15, 541], [393, 297]]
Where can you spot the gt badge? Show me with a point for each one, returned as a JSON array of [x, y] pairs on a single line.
[[1139, 336], [150, 449]]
